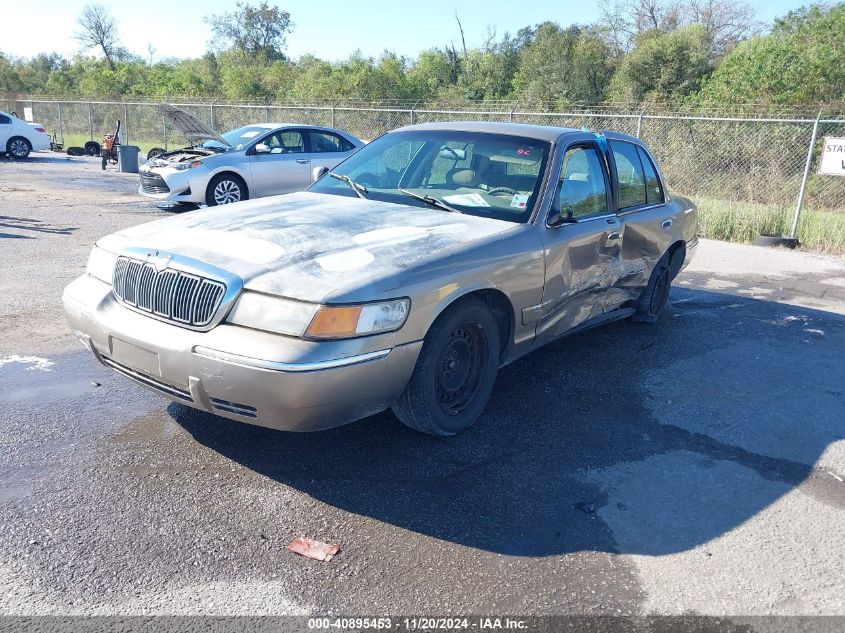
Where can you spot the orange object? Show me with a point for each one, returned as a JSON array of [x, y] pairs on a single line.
[[338, 321], [310, 548]]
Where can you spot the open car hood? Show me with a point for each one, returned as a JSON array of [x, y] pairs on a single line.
[[191, 127]]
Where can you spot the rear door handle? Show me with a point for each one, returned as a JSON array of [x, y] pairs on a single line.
[[612, 236], [666, 223], [302, 161]]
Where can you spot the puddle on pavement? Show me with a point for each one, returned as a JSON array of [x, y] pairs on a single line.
[[43, 380]]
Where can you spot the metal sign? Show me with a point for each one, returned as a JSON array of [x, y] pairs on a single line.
[[833, 157], [27, 114]]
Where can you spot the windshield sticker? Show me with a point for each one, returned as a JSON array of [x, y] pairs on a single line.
[[519, 200], [467, 200], [249, 134]]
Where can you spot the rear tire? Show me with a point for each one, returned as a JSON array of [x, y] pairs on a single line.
[[225, 189], [455, 371], [18, 147], [156, 151], [655, 297]]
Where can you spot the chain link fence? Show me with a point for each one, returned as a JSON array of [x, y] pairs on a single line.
[[743, 171]]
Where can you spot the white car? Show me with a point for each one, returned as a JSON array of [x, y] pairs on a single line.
[[19, 138], [262, 159]]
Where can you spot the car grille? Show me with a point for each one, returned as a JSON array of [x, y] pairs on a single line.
[[153, 183], [169, 294]]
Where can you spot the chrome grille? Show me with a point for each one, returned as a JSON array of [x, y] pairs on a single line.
[[171, 294]]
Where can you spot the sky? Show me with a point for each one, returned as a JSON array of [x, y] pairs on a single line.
[[329, 29]]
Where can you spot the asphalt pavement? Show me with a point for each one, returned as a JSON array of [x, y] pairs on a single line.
[[692, 466]]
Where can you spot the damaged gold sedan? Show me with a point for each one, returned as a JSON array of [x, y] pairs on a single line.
[[403, 279]]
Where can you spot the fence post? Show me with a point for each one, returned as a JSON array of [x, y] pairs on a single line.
[[90, 122], [640, 124], [794, 229], [211, 108], [513, 109], [61, 123]]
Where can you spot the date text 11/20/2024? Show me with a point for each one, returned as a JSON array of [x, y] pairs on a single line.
[[421, 623]]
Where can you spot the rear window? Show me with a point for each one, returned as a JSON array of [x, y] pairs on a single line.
[[4, 120], [653, 188]]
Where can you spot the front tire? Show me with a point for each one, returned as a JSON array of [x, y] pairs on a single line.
[[18, 147], [225, 189], [455, 372]]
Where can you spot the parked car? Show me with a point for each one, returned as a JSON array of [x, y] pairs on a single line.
[[19, 138], [262, 159], [405, 278]]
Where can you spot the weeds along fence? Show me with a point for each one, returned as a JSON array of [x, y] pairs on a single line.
[[736, 165]]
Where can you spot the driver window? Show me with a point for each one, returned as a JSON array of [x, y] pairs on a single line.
[[581, 186]]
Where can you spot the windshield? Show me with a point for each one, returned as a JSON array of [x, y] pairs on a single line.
[[490, 175], [238, 138]]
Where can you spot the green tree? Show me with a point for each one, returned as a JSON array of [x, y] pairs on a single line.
[[664, 67], [257, 32], [570, 65], [800, 62]]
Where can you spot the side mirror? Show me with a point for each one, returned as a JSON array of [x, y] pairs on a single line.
[[557, 218], [318, 172], [261, 148]]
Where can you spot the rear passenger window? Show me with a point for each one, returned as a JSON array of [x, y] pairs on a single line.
[[4, 120], [581, 188], [322, 142], [653, 190], [629, 171]]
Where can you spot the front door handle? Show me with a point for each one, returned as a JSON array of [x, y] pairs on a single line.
[[666, 223], [612, 236], [302, 161]]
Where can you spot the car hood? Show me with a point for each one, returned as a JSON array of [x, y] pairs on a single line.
[[309, 245], [190, 126]]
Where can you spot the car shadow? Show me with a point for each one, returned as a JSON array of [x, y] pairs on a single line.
[[627, 438], [31, 224]]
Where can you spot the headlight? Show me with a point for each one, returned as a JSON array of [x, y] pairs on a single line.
[[297, 318], [273, 314], [360, 320], [186, 165], [101, 264]]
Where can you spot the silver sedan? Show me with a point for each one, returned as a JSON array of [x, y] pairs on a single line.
[[261, 159]]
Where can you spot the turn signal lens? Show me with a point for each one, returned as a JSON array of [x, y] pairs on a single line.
[[360, 320]]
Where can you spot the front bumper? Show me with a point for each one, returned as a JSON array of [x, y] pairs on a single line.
[[242, 374], [187, 185]]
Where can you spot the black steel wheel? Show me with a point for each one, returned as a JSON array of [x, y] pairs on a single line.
[[655, 297], [455, 371]]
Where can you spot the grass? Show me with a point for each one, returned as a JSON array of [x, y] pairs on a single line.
[[734, 221]]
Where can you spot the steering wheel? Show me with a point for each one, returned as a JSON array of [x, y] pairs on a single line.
[[495, 191], [369, 179]]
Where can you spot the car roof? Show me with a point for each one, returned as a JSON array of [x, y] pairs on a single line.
[[276, 126], [550, 133]]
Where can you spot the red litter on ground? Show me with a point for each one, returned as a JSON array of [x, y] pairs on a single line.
[[310, 548]]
